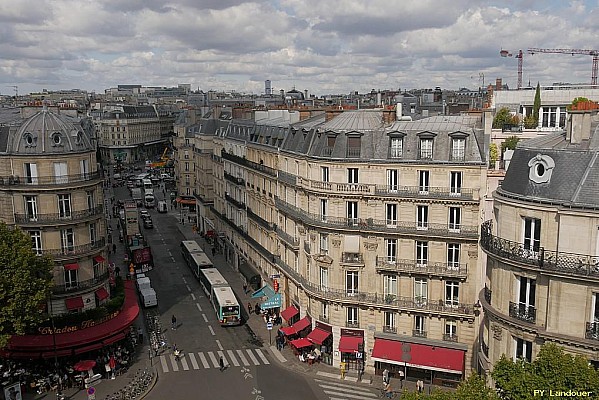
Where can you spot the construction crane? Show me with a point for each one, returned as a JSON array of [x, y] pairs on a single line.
[[506, 53], [594, 53]]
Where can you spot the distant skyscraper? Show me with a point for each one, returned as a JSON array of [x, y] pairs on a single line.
[[267, 87]]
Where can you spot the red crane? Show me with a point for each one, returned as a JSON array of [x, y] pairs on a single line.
[[594, 53], [505, 53]]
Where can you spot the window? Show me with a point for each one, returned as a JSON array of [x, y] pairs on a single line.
[[324, 278], [97, 269], [453, 255], [91, 200], [396, 148], [30, 173], [426, 149], [549, 117], [458, 149], [522, 349], [391, 214], [352, 316], [420, 290], [455, 219], [421, 254], [324, 174], [351, 282], [422, 217], [451, 329], [323, 209], [64, 205], [60, 173], [423, 182], [84, 167], [390, 287], [186, 155], [352, 213], [526, 293], [92, 233], [324, 243], [390, 321], [67, 240], [325, 311], [392, 180], [419, 329], [36, 240], [70, 278], [452, 292], [532, 236], [31, 208], [595, 308], [455, 183], [352, 175], [391, 246], [353, 146], [186, 166]]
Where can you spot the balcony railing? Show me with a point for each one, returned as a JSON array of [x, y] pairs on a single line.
[[352, 324], [390, 329], [323, 318], [259, 220], [249, 164], [51, 180], [418, 333], [487, 292], [68, 251], [287, 238], [56, 217], [234, 179], [523, 312], [352, 258], [592, 331], [582, 265], [235, 202], [373, 225], [428, 268], [81, 285], [450, 337], [286, 177]]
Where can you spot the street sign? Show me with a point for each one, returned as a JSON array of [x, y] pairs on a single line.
[[358, 354], [275, 276], [269, 326], [91, 393]]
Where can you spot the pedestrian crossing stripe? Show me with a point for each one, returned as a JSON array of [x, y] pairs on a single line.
[[339, 391], [210, 359]]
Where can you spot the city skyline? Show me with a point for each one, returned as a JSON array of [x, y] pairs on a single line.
[[320, 47]]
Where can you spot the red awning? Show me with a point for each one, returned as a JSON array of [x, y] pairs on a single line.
[[70, 267], [302, 324], [288, 331], [186, 201], [91, 347], [349, 344], [57, 353], [421, 355], [102, 293], [99, 259], [74, 303], [300, 343], [318, 336], [289, 313], [115, 338]]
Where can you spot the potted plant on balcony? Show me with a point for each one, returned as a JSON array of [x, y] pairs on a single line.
[[389, 298]]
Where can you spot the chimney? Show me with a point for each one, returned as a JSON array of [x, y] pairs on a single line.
[[498, 84], [578, 127]]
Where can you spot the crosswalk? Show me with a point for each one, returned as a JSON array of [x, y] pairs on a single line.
[[211, 359], [345, 391]]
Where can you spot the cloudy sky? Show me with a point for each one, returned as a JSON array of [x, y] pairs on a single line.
[[323, 46]]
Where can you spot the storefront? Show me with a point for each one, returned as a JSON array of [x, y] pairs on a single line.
[[322, 337], [250, 275], [270, 300], [351, 347], [290, 314], [433, 361]]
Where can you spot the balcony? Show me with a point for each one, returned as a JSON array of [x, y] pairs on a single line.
[[82, 285], [487, 293], [576, 265], [592, 331], [64, 180], [352, 324], [259, 220], [352, 258], [419, 333], [429, 268], [523, 312], [389, 329], [373, 225], [69, 251], [249, 164], [286, 177], [235, 202], [54, 218], [448, 337], [323, 318], [234, 179], [287, 238]]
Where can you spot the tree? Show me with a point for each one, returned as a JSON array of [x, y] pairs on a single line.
[[552, 369], [530, 122], [504, 117], [537, 103], [474, 388], [509, 143], [493, 154], [25, 281]]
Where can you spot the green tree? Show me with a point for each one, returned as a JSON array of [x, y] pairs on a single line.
[[530, 122], [576, 101], [502, 117], [493, 153], [475, 388], [537, 103], [553, 369], [509, 143], [25, 280]]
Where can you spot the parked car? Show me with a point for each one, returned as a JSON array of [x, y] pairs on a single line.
[[144, 214], [148, 224]]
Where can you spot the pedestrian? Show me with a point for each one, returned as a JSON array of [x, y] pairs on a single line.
[[112, 364], [174, 322], [420, 386], [249, 308], [156, 348], [140, 335], [257, 309], [245, 288], [213, 251], [221, 363], [385, 376], [114, 248]]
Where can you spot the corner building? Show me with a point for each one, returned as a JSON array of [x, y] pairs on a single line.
[[542, 248]]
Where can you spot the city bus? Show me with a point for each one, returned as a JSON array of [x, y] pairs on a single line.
[[189, 247], [147, 183], [211, 278], [197, 262], [226, 306]]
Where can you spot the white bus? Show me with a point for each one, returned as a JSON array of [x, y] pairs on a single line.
[[198, 262], [226, 306], [189, 247], [147, 183], [149, 200], [211, 278]]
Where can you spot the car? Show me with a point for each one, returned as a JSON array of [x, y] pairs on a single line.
[[144, 214], [148, 224]]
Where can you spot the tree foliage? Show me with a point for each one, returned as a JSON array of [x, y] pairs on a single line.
[[25, 280], [576, 101], [493, 153], [509, 143], [504, 117], [530, 122], [537, 103]]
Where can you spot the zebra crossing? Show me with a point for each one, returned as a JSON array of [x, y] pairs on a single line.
[[210, 359], [345, 391]]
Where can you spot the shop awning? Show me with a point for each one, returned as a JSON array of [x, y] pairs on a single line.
[[190, 202], [250, 274], [288, 330], [70, 267], [90, 347], [113, 339], [74, 303], [265, 290], [421, 356], [289, 313], [300, 343], [273, 302], [58, 353], [99, 259], [302, 324], [349, 344], [102, 293], [318, 336]]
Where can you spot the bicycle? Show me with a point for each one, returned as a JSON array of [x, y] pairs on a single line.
[[389, 395]]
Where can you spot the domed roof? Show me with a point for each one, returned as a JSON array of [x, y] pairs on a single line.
[[48, 132]]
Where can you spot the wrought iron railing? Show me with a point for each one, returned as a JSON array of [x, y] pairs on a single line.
[[450, 337], [235, 202], [81, 285], [249, 164], [583, 265], [389, 329], [352, 324], [287, 238], [58, 217], [352, 258], [412, 266], [48, 180], [592, 331], [259, 220], [68, 251], [234, 179], [323, 318], [286, 177], [523, 312], [418, 333]]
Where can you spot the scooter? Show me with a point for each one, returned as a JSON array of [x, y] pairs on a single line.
[[178, 354]]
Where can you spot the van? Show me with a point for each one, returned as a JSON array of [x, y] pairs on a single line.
[[143, 283], [148, 298], [162, 206], [149, 200]]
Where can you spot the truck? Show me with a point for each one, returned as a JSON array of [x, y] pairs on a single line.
[[149, 200], [136, 194], [143, 284], [148, 298]]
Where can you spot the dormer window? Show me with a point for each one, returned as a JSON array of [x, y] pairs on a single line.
[[458, 149], [79, 138], [426, 148], [396, 147], [56, 138], [353, 146], [30, 140]]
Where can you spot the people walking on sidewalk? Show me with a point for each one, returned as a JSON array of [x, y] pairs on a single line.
[[174, 322], [249, 307], [221, 363]]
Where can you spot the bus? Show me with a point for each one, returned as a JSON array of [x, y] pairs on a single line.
[[198, 262], [211, 278], [147, 183], [226, 306], [189, 247]]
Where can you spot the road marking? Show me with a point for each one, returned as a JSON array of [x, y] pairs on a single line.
[[205, 317], [347, 388], [184, 281], [264, 359], [203, 360], [198, 306], [213, 359], [169, 252], [211, 330], [163, 363], [220, 346], [275, 352], [243, 359], [194, 363], [251, 356], [188, 288], [221, 354], [184, 364], [232, 357], [193, 297], [347, 395], [174, 363]]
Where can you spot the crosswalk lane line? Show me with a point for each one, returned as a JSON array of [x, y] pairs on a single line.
[[184, 364], [203, 360], [347, 395], [243, 359], [174, 363], [251, 356], [349, 389], [232, 357], [213, 359], [264, 359], [163, 364], [194, 363]]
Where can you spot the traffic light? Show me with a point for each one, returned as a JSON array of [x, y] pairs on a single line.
[[276, 286]]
